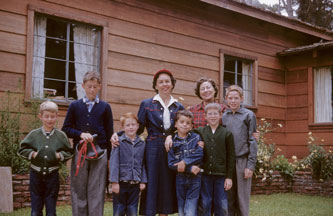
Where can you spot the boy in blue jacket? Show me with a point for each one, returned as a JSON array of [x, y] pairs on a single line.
[[86, 117], [127, 168], [185, 156]]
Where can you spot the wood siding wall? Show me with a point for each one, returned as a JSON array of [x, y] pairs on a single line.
[[182, 36]]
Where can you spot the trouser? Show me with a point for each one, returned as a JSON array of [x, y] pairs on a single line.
[[239, 194], [88, 187], [44, 190], [213, 193], [187, 191], [126, 202]]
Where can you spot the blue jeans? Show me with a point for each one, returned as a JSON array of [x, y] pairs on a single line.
[[44, 190], [126, 202], [212, 192], [188, 191]]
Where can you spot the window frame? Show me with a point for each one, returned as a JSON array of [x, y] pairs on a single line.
[[311, 112], [254, 69], [68, 14]]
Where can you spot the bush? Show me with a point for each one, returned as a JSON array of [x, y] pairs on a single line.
[[285, 168], [319, 160], [15, 121]]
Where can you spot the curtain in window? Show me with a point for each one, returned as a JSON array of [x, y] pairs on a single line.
[[246, 82], [85, 54], [323, 94], [39, 57]]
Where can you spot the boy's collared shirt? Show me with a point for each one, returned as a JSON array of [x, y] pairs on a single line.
[[198, 111], [90, 104], [127, 161], [186, 149], [242, 124]]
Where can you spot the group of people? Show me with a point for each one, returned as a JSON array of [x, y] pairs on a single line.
[[195, 161]]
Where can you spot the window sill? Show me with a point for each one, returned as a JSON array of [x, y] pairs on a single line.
[[323, 127], [252, 108]]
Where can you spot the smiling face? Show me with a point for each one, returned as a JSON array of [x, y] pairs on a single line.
[[207, 92], [130, 127], [91, 88], [183, 125], [48, 119], [234, 100], [213, 117], [164, 84]]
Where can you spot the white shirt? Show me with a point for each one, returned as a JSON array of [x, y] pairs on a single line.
[[166, 112]]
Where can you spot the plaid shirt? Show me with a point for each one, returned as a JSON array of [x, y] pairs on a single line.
[[199, 114]]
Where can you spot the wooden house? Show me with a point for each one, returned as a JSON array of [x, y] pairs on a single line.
[[49, 44]]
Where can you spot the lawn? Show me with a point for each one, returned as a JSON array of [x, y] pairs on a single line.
[[261, 205]]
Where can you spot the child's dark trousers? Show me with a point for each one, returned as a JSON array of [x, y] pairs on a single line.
[[44, 190], [126, 202]]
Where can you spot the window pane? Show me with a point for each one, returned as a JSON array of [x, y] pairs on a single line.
[[54, 89], [56, 28], [323, 94], [229, 65], [55, 48], [55, 69]]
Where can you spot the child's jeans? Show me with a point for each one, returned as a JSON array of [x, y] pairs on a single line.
[[126, 202], [212, 191], [44, 191], [188, 191]]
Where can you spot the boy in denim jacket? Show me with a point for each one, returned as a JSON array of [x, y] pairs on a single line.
[[185, 156], [127, 169]]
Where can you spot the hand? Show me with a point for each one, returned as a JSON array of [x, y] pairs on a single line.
[[114, 140], [115, 188], [195, 169], [87, 137], [227, 184], [180, 166], [34, 155], [142, 186], [168, 143], [256, 135], [58, 155], [201, 144], [248, 173]]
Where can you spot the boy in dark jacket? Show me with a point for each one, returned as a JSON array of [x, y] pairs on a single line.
[[218, 163], [127, 168], [185, 156], [86, 117], [46, 148]]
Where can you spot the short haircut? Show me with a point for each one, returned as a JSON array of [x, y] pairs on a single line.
[[235, 88], [185, 113], [202, 80], [215, 106], [92, 75], [127, 116], [48, 106], [163, 71]]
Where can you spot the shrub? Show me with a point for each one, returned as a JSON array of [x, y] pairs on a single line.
[[285, 168], [15, 121], [319, 160]]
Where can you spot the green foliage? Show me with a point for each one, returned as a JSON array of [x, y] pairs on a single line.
[[266, 150], [285, 168], [15, 121], [320, 160]]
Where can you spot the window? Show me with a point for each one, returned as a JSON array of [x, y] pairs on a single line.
[[63, 51], [323, 97], [239, 70]]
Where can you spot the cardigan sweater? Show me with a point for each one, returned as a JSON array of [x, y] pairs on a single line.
[[219, 153], [46, 146], [98, 121]]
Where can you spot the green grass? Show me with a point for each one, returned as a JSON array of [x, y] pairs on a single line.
[[261, 205]]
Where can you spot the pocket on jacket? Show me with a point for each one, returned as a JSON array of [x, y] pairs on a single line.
[[123, 170]]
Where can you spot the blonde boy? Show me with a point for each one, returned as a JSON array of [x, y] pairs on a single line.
[[127, 168], [242, 123], [46, 148]]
